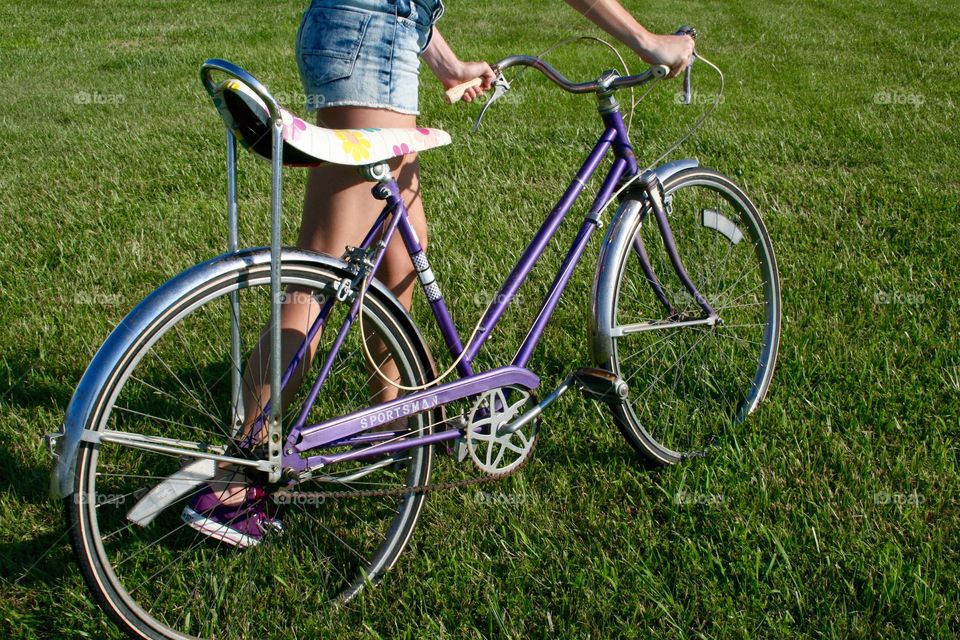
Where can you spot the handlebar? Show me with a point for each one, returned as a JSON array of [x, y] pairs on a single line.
[[607, 82], [618, 82]]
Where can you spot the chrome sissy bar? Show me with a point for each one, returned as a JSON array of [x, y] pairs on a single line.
[[275, 421]]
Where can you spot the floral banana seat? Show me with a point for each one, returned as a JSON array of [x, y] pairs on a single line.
[[307, 145]]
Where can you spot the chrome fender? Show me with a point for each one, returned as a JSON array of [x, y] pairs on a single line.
[[616, 245], [96, 385]]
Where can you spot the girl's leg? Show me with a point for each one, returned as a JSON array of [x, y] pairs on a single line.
[[338, 210]]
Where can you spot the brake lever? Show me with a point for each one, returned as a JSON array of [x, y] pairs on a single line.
[[687, 93], [500, 86]]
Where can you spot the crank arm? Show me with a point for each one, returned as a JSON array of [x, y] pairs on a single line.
[[535, 412]]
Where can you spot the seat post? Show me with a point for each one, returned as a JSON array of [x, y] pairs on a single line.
[[377, 172]]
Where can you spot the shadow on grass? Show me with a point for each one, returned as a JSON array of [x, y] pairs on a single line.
[[42, 559], [27, 384], [36, 556]]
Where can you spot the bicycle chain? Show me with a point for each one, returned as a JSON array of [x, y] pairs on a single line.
[[422, 488]]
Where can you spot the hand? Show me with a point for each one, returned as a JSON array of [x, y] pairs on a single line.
[[460, 72], [675, 52]]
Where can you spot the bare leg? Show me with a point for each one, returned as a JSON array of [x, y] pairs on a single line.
[[338, 210]]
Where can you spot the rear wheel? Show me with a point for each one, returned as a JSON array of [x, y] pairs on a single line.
[[166, 580], [690, 385]]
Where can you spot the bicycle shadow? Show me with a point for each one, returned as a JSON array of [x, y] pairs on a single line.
[[45, 559], [36, 551], [42, 557]]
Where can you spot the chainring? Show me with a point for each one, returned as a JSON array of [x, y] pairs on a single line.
[[493, 453]]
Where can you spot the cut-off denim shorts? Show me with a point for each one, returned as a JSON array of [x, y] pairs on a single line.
[[364, 53]]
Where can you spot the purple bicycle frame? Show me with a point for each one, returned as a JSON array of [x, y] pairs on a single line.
[[349, 431]]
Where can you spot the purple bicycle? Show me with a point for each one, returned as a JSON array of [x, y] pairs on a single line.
[[684, 331]]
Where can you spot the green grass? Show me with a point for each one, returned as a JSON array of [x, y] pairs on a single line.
[[839, 120]]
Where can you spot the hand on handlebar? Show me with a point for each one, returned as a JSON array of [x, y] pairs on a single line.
[[466, 81], [675, 52]]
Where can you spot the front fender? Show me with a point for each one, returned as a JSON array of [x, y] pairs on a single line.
[[97, 378], [616, 244]]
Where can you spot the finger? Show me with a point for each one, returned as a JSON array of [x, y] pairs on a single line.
[[488, 78], [454, 94]]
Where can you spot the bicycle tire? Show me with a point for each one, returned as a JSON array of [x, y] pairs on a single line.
[[156, 583], [675, 411]]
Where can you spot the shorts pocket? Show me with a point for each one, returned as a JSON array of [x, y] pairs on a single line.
[[329, 43]]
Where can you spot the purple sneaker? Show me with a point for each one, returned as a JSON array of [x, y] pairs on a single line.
[[242, 525]]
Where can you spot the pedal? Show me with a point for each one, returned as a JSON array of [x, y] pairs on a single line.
[[601, 384]]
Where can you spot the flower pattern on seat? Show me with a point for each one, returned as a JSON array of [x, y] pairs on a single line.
[[354, 143], [309, 145]]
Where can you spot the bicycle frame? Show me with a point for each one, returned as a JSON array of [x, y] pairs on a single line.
[[351, 430]]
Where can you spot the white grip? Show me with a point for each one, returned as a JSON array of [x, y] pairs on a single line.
[[453, 94]]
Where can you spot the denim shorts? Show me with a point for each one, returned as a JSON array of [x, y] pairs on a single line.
[[364, 53]]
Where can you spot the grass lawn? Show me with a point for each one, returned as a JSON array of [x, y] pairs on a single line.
[[834, 511]]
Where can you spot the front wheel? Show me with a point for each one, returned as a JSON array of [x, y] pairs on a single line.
[[691, 382], [163, 579]]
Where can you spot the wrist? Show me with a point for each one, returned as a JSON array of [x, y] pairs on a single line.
[[449, 66], [641, 41]]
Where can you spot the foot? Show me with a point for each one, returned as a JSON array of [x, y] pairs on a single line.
[[241, 525]]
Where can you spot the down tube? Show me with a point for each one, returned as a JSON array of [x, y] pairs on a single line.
[[570, 263], [539, 243]]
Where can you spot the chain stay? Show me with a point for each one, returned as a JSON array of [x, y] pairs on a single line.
[[423, 488]]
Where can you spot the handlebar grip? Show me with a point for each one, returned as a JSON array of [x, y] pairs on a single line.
[[453, 94], [660, 70]]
